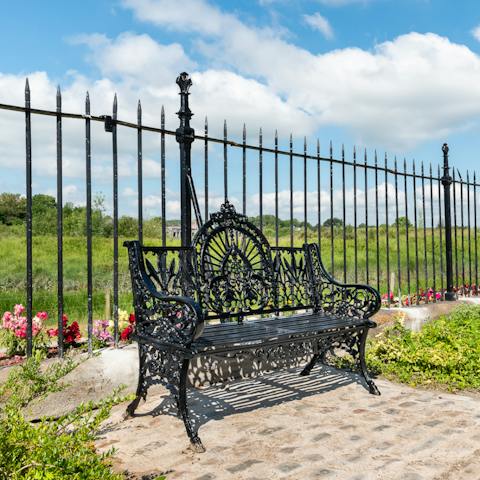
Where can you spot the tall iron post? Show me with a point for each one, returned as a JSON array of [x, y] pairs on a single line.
[[446, 182], [185, 136]]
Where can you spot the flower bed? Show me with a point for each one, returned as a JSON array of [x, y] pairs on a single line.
[[13, 333]]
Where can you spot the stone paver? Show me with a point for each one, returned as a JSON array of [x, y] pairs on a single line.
[[324, 426]]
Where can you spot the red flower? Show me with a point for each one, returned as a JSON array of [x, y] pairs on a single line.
[[131, 318], [126, 332]]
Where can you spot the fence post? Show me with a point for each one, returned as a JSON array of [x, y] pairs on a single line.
[[446, 182], [185, 136]]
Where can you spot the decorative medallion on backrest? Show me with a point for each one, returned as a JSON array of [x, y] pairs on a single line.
[[233, 264]]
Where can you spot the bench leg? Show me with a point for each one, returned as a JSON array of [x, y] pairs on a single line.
[[308, 368], [183, 409], [141, 386], [372, 388]]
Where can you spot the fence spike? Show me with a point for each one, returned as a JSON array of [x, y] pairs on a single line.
[[354, 154], [343, 152], [27, 87], [331, 149], [139, 111], [115, 103], [87, 102]]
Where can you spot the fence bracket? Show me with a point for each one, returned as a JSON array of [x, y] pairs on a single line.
[[108, 123]]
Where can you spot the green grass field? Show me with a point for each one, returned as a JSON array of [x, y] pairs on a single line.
[[12, 266]]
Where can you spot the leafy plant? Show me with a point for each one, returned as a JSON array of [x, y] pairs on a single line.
[[52, 449], [444, 352]]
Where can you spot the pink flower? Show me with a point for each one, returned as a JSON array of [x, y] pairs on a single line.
[[7, 320], [52, 332], [18, 309], [42, 315]]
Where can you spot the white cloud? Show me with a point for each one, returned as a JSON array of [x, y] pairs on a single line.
[[401, 93], [137, 58], [476, 32], [320, 23], [192, 15]]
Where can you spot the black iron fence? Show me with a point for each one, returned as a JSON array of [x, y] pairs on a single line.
[[410, 230]]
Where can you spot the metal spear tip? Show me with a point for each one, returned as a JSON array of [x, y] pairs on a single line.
[[27, 86], [184, 82]]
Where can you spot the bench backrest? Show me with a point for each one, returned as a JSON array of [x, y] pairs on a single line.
[[231, 269]]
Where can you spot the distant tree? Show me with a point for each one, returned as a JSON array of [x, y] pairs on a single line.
[[336, 222], [44, 214], [128, 227], [153, 227], [12, 208], [402, 222]]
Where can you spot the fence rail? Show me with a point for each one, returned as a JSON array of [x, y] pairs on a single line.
[[386, 224]]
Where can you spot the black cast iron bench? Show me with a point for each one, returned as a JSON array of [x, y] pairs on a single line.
[[200, 300]]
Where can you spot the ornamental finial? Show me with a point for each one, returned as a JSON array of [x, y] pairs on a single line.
[[184, 82], [445, 149]]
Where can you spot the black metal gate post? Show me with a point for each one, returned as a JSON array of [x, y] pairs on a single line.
[[185, 136], [446, 182]]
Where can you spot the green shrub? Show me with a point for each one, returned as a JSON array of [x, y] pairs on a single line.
[[444, 352], [62, 448]]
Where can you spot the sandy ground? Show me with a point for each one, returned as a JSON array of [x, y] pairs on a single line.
[[283, 426]]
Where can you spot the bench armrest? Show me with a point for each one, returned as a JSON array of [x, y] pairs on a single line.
[[331, 296], [172, 319]]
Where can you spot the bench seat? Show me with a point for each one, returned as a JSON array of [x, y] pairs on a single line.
[[228, 336]]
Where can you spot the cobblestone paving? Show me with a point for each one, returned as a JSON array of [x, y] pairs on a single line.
[[325, 426]]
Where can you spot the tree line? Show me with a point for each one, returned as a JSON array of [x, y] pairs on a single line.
[[44, 219]]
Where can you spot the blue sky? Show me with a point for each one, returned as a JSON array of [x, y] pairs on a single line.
[[400, 76]]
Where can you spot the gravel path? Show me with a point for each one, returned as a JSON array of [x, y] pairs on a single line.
[[283, 426]]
